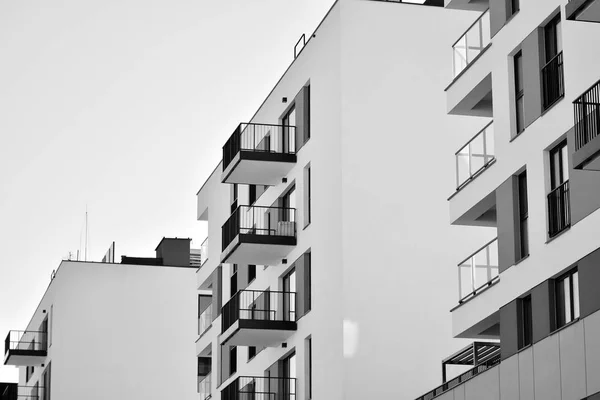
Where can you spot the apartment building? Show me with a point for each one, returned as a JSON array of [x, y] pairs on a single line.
[[327, 245], [105, 330], [529, 298]]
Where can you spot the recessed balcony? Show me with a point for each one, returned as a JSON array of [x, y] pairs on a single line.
[[478, 272], [256, 318], [25, 348], [583, 10], [258, 235], [259, 154], [587, 130], [260, 388]]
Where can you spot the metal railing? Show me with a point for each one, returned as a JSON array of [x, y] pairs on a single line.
[[205, 320], [261, 138], [553, 82], [587, 116], [23, 393], [475, 156], [204, 387], [204, 252], [260, 388], [478, 271], [484, 366], [471, 43], [259, 306], [559, 209], [25, 340], [257, 220]]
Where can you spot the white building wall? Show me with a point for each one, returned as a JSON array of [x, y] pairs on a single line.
[[120, 332]]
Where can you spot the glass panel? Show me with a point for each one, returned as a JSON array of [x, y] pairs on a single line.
[[567, 300], [460, 55], [478, 270], [463, 170], [477, 154], [576, 295], [565, 164], [520, 114], [470, 45]]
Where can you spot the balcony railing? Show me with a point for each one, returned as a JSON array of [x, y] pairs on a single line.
[[475, 156], [205, 320], [478, 271], [587, 116], [23, 393], [259, 138], [204, 252], [559, 210], [553, 82], [256, 220], [484, 366], [260, 388], [259, 306], [204, 387], [25, 340], [471, 43]]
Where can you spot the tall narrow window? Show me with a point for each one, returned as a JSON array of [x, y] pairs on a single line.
[[232, 360], [567, 298], [553, 38], [251, 194], [307, 282], [251, 352], [552, 72], [307, 112], [233, 280], [289, 131], [526, 322], [289, 375], [251, 273], [523, 217], [559, 212], [288, 205], [234, 197], [519, 92], [289, 296], [514, 7], [47, 382], [307, 195], [308, 366]]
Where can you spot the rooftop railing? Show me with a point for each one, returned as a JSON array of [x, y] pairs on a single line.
[[260, 138], [471, 43], [475, 156], [257, 220], [259, 306], [25, 340], [587, 116], [260, 388], [478, 271], [205, 320]]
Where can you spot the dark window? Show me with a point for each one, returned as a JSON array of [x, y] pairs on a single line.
[[233, 280], [251, 273], [525, 323], [47, 382], [308, 196], [251, 194], [289, 372], [307, 111], [234, 197], [552, 38], [519, 92], [288, 205], [514, 7], [552, 72], [523, 216], [559, 214], [307, 283], [289, 296], [309, 363], [289, 130], [232, 360], [567, 298], [251, 352]]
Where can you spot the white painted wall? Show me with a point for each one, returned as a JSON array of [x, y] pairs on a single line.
[[120, 332]]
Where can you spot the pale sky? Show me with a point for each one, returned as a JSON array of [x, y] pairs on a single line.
[[121, 106]]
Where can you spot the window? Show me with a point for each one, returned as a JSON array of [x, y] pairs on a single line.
[[289, 296], [233, 280], [289, 130], [519, 92], [308, 366], [514, 7], [251, 273], [553, 38], [51, 318], [552, 72], [232, 360], [251, 194], [559, 214], [28, 373], [307, 282], [234, 197], [288, 205], [567, 298], [289, 372], [47, 381], [307, 111], [523, 216], [307, 196], [525, 323], [251, 352]]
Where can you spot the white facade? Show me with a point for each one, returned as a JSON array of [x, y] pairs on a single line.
[[117, 331], [381, 154]]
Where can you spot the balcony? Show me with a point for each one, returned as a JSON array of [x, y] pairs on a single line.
[[481, 355], [205, 320], [204, 387], [23, 393], [471, 44], [587, 129], [583, 10], [258, 235], [475, 156], [559, 210], [255, 318], [25, 348], [259, 154], [478, 272], [260, 388], [553, 81]]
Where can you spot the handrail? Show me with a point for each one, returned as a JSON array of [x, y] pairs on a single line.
[[204, 251], [470, 26], [477, 251], [559, 212], [479, 154], [260, 387], [475, 136], [464, 54], [485, 258]]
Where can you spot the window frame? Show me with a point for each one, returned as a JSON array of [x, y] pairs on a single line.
[[523, 213], [525, 322], [519, 92], [572, 277]]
